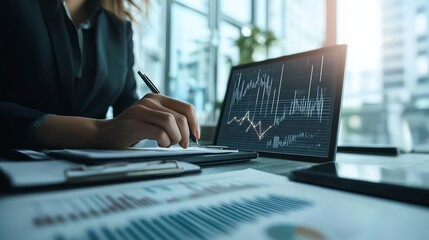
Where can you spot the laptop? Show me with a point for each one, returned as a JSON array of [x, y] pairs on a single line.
[[287, 107]]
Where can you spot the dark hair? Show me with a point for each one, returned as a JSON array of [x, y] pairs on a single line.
[[118, 8]]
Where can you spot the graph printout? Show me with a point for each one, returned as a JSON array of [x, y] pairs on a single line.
[[282, 106], [245, 204]]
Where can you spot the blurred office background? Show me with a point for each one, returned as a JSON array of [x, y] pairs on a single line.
[[188, 46]]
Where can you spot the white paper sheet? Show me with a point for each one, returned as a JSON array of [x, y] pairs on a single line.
[[147, 152]]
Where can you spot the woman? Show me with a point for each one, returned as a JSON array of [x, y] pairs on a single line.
[[64, 63]]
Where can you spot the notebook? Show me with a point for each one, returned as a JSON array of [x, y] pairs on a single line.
[[286, 107]]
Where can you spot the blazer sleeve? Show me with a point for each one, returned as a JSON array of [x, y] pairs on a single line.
[[128, 95], [16, 125], [15, 120]]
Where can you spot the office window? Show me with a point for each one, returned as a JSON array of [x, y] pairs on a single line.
[[389, 5], [393, 71], [231, 24], [239, 10], [422, 66], [393, 84], [423, 80], [148, 32], [304, 25], [393, 44], [188, 47], [393, 57], [298, 26], [261, 17], [389, 50], [228, 55], [421, 23], [201, 5], [392, 30], [189, 55], [276, 16]]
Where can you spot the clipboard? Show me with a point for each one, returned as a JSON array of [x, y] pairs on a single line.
[[113, 171], [59, 174]]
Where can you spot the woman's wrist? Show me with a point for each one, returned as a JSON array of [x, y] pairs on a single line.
[[102, 136], [31, 136], [69, 132]]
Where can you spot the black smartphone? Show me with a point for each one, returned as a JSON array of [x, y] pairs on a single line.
[[396, 184]]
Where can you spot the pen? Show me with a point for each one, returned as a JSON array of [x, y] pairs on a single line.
[[153, 88]]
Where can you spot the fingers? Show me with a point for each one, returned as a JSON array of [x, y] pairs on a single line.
[[165, 125], [138, 130], [179, 119], [180, 107], [158, 134], [141, 122], [169, 121]]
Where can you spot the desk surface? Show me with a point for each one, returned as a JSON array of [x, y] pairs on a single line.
[[271, 165], [411, 161], [350, 215]]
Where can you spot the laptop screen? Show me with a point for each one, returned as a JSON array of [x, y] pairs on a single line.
[[288, 105]]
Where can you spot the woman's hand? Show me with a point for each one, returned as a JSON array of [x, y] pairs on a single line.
[[155, 116]]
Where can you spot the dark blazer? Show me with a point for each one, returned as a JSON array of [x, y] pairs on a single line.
[[37, 72]]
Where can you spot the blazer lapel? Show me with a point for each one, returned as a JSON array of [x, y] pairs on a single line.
[[54, 20], [101, 72], [110, 50], [101, 52]]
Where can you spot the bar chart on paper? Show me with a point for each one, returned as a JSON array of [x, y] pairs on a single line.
[[245, 204], [102, 204], [283, 106], [128, 212], [208, 222]]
